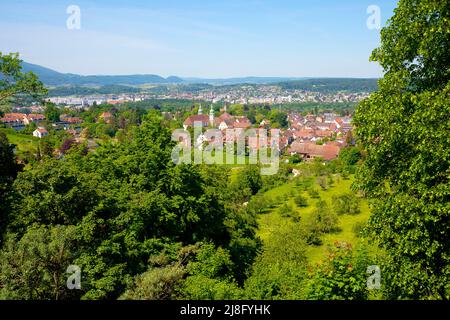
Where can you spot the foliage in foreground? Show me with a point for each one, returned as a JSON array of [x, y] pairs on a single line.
[[404, 129]]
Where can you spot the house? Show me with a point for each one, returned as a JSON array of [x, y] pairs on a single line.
[[74, 120], [19, 119], [200, 119], [197, 119], [225, 124], [311, 150], [241, 122], [33, 118], [13, 118], [40, 132], [70, 120], [107, 117], [264, 123]]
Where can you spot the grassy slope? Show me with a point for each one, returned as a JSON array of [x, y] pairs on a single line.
[[23, 142], [271, 221]]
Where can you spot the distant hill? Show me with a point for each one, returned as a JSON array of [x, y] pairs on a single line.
[[54, 78], [249, 80], [325, 85], [330, 85], [81, 90]]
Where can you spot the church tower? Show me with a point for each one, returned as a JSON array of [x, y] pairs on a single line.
[[211, 116], [200, 111]]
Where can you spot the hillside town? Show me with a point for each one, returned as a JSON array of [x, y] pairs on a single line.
[[308, 136], [242, 94]]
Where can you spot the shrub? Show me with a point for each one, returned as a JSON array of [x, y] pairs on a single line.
[[327, 220], [347, 203], [341, 277], [322, 182], [330, 181], [312, 233], [296, 158], [358, 228], [313, 193], [301, 201], [286, 210]]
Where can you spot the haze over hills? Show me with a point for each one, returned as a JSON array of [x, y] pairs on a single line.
[[53, 78], [241, 80]]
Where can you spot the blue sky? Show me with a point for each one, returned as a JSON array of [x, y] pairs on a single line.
[[228, 38]]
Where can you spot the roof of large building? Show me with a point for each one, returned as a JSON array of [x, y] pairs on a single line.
[[203, 118], [327, 152]]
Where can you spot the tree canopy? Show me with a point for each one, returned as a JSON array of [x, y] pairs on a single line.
[[404, 129], [13, 82]]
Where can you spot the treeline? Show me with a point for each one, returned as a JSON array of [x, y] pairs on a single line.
[[341, 108], [332, 85], [81, 90]]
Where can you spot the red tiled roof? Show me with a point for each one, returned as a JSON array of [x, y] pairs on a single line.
[[106, 115], [327, 152], [203, 118], [42, 130]]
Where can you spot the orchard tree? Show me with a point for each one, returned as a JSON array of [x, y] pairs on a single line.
[[404, 128]]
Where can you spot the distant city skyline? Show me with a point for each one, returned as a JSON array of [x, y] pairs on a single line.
[[207, 39]]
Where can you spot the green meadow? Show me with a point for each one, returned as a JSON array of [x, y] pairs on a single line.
[[271, 221], [23, 142]]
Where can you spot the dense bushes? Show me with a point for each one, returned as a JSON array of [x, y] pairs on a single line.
[[341, 276], [128, 203]]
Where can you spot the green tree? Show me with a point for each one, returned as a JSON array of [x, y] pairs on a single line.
[[250, 178], [287, 211], [403, 128], [279, 272], [324, 218], [14, 83], [279, 117], [210, 275], [8, 165], [34, 266], [52, 112], [350, 156], [301, 201], [156, 284], [8, 172], [342, 276], [347, 203]]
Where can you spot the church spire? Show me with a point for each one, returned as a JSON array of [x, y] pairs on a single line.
[[211, 116]]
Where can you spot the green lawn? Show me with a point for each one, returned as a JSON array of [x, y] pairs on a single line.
[[271, 221], [23, 142]]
